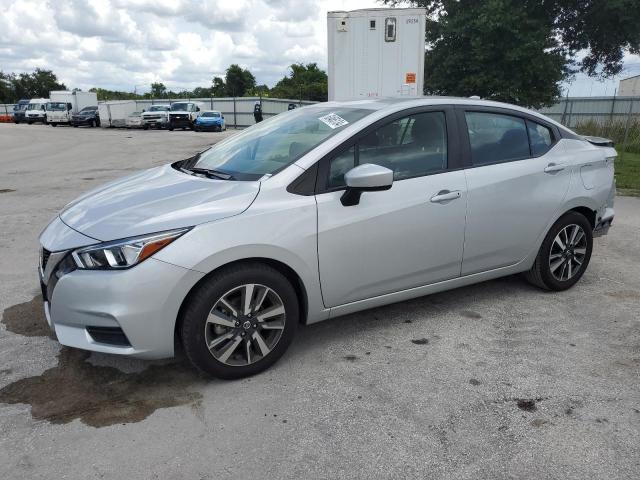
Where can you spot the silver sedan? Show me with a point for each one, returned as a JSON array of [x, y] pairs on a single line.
[[319, 212]]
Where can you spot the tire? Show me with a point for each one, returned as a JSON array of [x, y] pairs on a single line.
[[555, 267], [230, 283], [75, 125], [54, 124], [145, 127], [29, 122], [170, 128]]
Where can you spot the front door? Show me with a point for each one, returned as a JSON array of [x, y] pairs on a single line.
[[405, 237]]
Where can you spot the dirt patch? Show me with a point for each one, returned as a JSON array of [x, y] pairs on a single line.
[[475, 382], [470, 314], [350, 358], [538, 422], [27, 319], [6, 190], [102, 396], [526, 404], [420, 341], [625, 295]]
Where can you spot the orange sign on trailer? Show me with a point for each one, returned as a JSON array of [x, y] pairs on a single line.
[[410, 78]]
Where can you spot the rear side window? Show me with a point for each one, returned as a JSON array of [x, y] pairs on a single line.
[[541, 138], [496, 138]]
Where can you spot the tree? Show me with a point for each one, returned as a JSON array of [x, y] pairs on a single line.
[[305, 82], [7, 94], [218, 88], [158, 90], [36, 84], [520, 51], [238, 81]]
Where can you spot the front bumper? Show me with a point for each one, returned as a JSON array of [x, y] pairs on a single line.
[[125, 312], [82, 120], [209, 126], [180, 122]]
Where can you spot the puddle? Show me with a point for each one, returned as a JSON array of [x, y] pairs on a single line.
[[420, 341], [350, 358], [6, 190], [470, 314], [475, 382], [526, 404], [101, 396], [27, 319]]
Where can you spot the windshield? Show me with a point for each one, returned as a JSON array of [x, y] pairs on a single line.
[[211, 114], [179, 106], [56, 106], [158, 108], [34, 106], [269, 146], [136, 114], [20, 107], [88, 109]]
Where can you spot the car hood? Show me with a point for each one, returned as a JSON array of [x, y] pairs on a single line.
[[154, 200]]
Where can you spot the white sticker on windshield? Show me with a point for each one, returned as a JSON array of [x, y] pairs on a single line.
[[333, 120]]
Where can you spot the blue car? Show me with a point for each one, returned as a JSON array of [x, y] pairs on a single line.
[[211, 120]]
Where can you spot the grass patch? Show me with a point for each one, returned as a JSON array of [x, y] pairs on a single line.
[[628, 173]]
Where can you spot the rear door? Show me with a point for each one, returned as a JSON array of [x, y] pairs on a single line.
[[517, 178], [405, 237]]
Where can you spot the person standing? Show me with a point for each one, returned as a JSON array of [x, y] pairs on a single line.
[[257, 112]]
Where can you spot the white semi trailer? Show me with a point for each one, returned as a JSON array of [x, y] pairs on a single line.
[[63, 104], [376, 52]]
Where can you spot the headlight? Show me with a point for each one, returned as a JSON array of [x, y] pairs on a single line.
[[125, 253]]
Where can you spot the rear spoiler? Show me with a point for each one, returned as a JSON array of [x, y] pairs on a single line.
[[599, 141]]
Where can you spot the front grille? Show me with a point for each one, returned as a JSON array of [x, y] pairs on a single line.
[[109, 335], [180, 117], [153, 117], [45, 258]]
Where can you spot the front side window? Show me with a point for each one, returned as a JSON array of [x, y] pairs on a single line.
[[496, 138], [411, 146], [273, 144], [540, 137]]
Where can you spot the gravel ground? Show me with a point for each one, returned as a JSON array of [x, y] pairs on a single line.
[[497, 380]]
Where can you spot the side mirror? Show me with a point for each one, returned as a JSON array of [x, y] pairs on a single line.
[[222, 117], [365, 178], [69, 107], [197, 109]]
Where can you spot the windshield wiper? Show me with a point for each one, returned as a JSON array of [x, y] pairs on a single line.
[[208, 172]]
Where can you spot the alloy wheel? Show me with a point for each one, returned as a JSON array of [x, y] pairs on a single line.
[[245, 324], [568, 252]]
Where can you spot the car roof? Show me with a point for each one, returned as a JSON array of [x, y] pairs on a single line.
[[394, 104]]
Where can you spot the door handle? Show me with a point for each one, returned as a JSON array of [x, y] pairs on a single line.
[[553, 167], [445, 196]]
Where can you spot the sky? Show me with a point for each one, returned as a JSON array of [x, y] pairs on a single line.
[[128, 44]]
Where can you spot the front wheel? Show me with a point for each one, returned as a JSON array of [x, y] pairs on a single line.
[[564, 255], [240, 321], [54, 124]]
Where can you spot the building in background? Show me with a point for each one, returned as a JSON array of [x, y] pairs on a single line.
[[376, 52], [629, 87]]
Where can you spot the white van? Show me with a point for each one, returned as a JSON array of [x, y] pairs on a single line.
[[64, 104], [36, 110]]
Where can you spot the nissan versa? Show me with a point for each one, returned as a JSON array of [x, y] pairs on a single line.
[[319, 212]]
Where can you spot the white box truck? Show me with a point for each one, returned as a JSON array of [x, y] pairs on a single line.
[[376, 52], [114, 113], [36, 110], [63, 104]]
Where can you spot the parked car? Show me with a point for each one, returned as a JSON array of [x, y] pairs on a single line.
[[134, 120], [157, 116], [183, 115], [212, 120], [87, 116], [19, 110], [316, 213], [36, 111]]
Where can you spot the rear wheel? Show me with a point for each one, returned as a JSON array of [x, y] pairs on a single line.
[[564, 255], [240, 321]]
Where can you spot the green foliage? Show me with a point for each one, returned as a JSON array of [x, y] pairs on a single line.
[[520, 51], [158, 90], [218, 87], [28, 85], [238, 81], [305, 82]]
